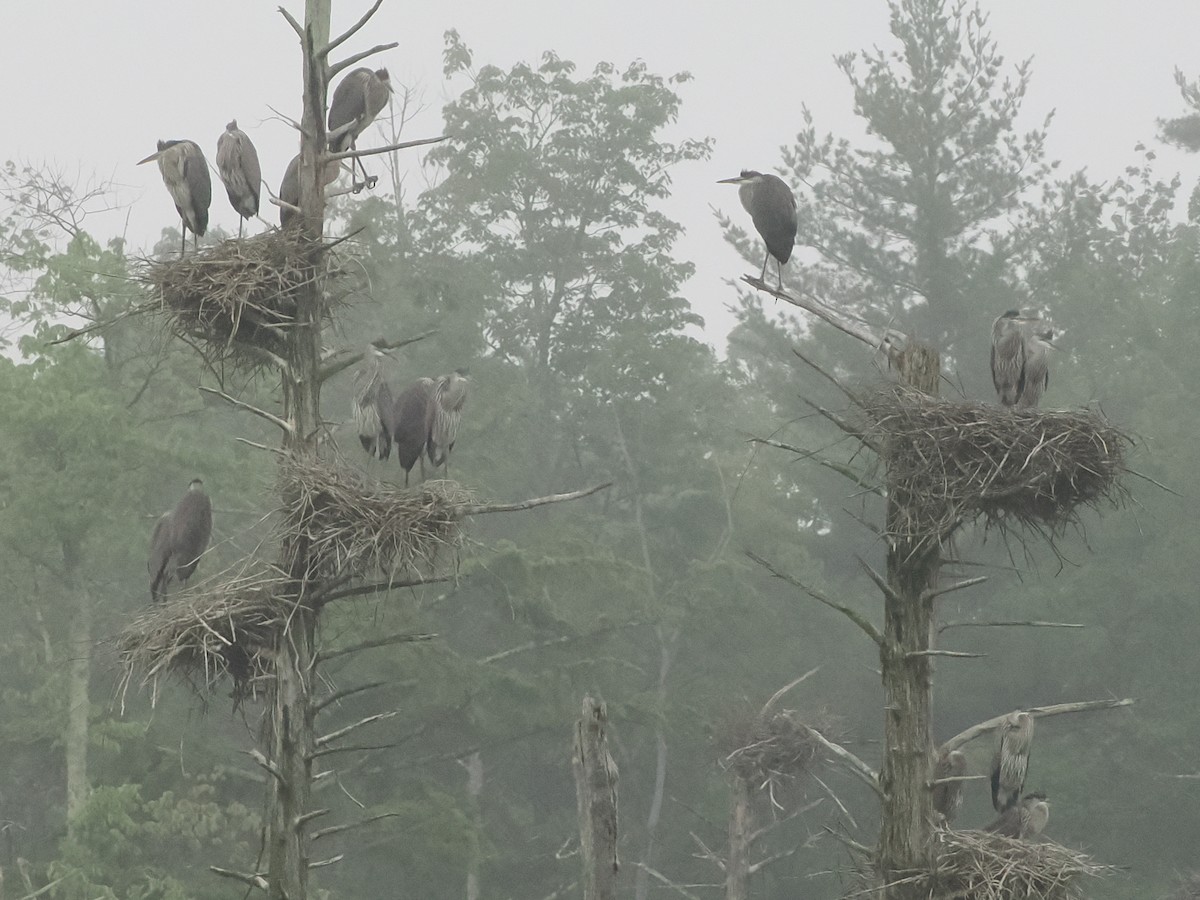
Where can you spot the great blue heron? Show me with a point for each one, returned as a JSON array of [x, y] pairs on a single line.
[[357, 100], [772, 206], [1037, 366], [237, 164], [1024, 819], [374, 407], [289, 189], [185, 173], [411, 424], [948, 796], [180, 538], [1008, 356], [1011, 762], [445, 412]]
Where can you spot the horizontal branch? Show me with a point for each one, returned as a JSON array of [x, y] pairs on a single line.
[[773, 858], [348, 692], [847, 471], [1010, 624], [342, 732], [856, 765], [380, 587], [1057, 709], [537, 501], [252, 879], [359, 57], [349, 358], [858, 619], [303, 820], [957, 654], [386, 641], [357, 748], [241, 404], [320, 864], [375, 151], [337, 829], [957, 586]]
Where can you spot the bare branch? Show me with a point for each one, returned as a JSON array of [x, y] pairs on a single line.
[[382, 587], [878, 580], [774, 857], [326, 862], [286, 427], [654, 873], [349, 32], [537, 501], [783, 690], [342, 732], [857, 766], [958, 654], [252, 879], [341, 365], [389, 148], [387, 641], [848, 472], [45, 889], [337, 829], [829, 376], [1013, 624], [776, 823], [358, 57], [957, 586], [303, 820], [1057, 709], [265, 763], [348, 692], [857, 618], [357, 748], [887, 343], [296, 28]]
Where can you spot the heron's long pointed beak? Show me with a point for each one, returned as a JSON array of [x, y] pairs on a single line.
[[151, 158], [737, 180]]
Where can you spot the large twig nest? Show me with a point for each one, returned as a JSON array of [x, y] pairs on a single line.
[[950, 461], [357, 529], [768, 749], [976, 865], [238, 298]]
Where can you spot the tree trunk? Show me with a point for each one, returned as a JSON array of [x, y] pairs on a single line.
[[905, 839], [596, 801], [474, 767], [741, 823], [79, 673]]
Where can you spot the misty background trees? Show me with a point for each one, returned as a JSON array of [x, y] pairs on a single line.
[[542, 258]]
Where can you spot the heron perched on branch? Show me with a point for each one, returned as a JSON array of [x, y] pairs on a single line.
[[289, 189], [238, 166], [1037, 366], [1024, 819], [357, 100], [1011, 762], [948, 795], [411, 424], [374, 407], [185, 173], [772, 206], [179, 540], [444, 414]]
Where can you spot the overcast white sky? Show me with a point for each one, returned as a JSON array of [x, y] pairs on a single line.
[[91, 86]]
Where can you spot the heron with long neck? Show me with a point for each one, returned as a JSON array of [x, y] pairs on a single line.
[[179, 540], [444, 415], [238, 166], [772, 207], [185, 173], [1011, 761], [357, 100], [373, 405]]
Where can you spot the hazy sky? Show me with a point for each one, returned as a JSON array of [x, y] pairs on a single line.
[[92, 85]]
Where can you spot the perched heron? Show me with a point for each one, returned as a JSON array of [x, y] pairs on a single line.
[[373, 405], [1008, 356], [1011, 762], [1024, 819], [237, 164], [357, 100], [179, 540], [444, 414], [1037, 366], [411, 424], [289, 189], [185, 173], [948, 796], [772, 206]]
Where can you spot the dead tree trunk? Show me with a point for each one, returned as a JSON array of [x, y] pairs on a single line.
[[905, 840], [474, 767], [78, 688], [741, 824], [596, 799]]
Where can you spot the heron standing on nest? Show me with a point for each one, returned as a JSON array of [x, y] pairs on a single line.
[[444, 414], [772, 207], [185, 173], [1011, 762], [1037, 366], [948, 795], [179, 540], [357, 100], [238, 166], [411, 425], [1024, 819], [373, 405]]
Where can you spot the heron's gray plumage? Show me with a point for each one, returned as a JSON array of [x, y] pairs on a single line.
[[289, 188], [373, 405], [179, 540], [357, 100], [948, 796], [185, 173], [772, 208], [411, 429], [1024, 819], [445, 412], [240, 171], [1011, 761], [1037, 367], [1008, 357]]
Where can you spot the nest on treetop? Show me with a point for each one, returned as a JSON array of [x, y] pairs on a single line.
[[983, 866], [356, 529], [768, 749], [236, 299], [218, 628], [951, 461]]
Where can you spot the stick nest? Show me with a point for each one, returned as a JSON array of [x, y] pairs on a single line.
[[237, 298], [355, 529], [982, 866], [770, 749], [950, 461], [215, 629]]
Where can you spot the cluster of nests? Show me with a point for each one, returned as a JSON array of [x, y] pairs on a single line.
[[228, 625], [950, 462]]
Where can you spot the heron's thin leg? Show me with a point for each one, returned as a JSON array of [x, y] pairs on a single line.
[[763, 275], [779, 266], [241, 224], [182, 238]]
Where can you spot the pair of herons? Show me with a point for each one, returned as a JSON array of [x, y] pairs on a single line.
[[1020, 344], [1020, 816], [421, 421], [358, 99]]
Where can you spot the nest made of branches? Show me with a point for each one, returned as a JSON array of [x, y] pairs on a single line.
[[237, 298], [772, 748], [356, 529], [977, 865], [948, 461], [218, 628]]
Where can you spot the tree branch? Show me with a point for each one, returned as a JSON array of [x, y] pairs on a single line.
[[1057, 709], [848, 472], [326, 862], [381, 587], [870, 630], [342, 732], [265, 763], [958, 654], [252, 879], [357, 57], [654, 873], [537, 501], [1030, 624], [348, 692], [295, 27], [375, 151], [349, 32], [337, 829], [286, 427], [774, 857], [857, 766], [957, 586], [387, 641], [357, 748], [878, 580], [341, 365]]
